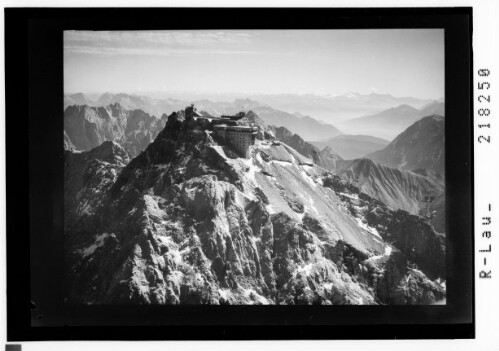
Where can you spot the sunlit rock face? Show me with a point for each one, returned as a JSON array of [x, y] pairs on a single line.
[[86, 127], [187, 221]]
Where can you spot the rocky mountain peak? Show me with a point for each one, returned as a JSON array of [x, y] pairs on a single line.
[[421, 145], [112, 152], [188, 221], [87, 127]]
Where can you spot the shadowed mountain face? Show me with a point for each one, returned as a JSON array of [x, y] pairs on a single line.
[[421, 146], [87, 127], [353, 146], [87, 174], [326, 158], [397, 188], [189, 222]]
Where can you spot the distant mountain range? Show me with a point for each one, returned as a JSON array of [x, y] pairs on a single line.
[[389, 123], [152, 106], [353, 146], [308, 127], [421, 146], [434, 108], [330, 108], [300, 113], [87, 127], [337, 108]]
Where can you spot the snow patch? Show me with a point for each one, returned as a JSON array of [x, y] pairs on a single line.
[[281, 163], [353, 196], [224, 293], [367, 228], [305, 270], [308, 167], [441, 282], [328, 286], [252, 169], [162, 166], [98, 242], [311, 202], [259, 158], [270, 209], [359, 209], [388, 251], [152, 206], [254, 296], [255, 239], [219, 149], [308, 178]]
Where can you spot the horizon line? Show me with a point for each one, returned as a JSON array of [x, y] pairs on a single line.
[[144, 93]]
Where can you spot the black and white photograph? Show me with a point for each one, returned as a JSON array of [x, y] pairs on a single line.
[[254, 167], [246, 173]]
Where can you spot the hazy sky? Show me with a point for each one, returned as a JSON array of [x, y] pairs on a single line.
[[399, 62]]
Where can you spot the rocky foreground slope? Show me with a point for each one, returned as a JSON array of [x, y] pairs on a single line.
[[188, 222], [396, 188]]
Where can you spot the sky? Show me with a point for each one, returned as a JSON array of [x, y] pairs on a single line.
[[400, 62]]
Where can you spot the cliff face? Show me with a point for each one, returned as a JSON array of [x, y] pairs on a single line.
[[87, 176], [87, 127], [326, 158], [415, 238], [188, 222], [398, 189]]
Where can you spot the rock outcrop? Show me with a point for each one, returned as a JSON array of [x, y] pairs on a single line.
[[87, 127], [397, 188], [325, 158], [189, 222]]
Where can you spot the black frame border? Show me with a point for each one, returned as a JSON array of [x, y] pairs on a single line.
[[34, 100]]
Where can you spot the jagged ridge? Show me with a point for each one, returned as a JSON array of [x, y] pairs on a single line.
[[187, 221]]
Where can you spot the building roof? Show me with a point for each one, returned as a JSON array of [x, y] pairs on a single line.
[[242, 128], [235, 117]]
